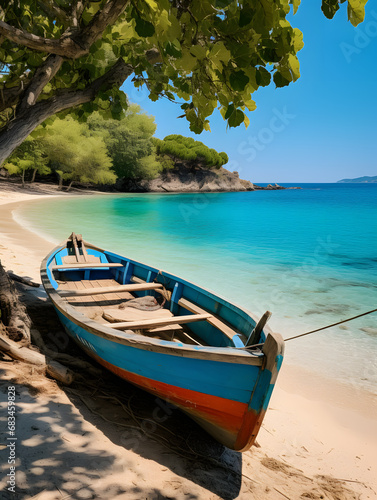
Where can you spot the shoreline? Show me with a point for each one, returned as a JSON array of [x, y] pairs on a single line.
[[314, 424]]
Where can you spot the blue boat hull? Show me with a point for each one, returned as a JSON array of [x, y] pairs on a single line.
[[225, 388]]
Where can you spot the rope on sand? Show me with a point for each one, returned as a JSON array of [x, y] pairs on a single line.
[[317, 329], [329, 326]]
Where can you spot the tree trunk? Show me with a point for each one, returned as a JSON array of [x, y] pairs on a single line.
[[70, 185], [60, 185], [23, 178], [14, 320], [33, 178]]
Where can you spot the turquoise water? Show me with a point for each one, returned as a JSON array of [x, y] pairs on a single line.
[[309, 256]]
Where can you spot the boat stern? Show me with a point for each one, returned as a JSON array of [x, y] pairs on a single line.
[[273, 349]]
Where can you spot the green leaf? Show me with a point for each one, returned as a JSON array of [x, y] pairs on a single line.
[[279, 80], [246, 16], [35, 59], [144, 28], [295, 66], [222, 4], [198, 51], [356, 11], [270, 55], [229, 111], [296, 4], [152, 4], [241, 53], [173, 49], [187, 61], [236, 118], [263, 77], [329, 8], [207, 126], [219, 51], [298, 41], [238, 80], [250, 104]]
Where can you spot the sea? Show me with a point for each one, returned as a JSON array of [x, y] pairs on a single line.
[[307, 255]]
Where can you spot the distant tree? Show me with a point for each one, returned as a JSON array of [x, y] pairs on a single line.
[[192, 153], [62, 54], [129, 142], [75, 155], [29, 156]]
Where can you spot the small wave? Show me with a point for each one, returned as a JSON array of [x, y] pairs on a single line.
[[24, 223]]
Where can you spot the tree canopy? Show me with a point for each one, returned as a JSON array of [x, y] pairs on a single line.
[[59, 55], [129, 142], [75, 155], [190, 151]]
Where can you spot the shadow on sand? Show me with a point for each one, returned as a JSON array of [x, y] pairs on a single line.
[[57, 450]]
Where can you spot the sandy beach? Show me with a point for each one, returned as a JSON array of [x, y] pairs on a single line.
[[100, 439]]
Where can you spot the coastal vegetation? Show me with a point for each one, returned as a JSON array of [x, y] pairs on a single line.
[[73, 57], [30, 155], [129, 143], [102, 151], [191, 153]]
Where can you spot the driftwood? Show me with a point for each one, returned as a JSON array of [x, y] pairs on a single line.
[[63, 357], [15, 336], [53, 368], [14, 320], [22, 280]]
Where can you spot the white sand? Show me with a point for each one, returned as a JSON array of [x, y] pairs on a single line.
[[314, 427]]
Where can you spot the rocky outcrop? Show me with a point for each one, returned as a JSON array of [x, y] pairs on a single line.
[[182, 180]]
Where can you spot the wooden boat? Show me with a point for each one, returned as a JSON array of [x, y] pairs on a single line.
[[190, 347]]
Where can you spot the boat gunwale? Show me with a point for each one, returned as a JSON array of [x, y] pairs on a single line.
[[131, 339]]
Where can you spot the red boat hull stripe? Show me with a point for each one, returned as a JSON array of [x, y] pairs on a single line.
[[231, 416]]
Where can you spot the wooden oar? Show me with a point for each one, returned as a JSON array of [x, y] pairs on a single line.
[[79, 257]]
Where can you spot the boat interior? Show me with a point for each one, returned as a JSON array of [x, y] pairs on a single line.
[[126, 295]]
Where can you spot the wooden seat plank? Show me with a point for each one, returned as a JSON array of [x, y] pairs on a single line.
[[150, 323], [120, 294], [71, 259], [112, 289], [85, 265], [101, 299], [190, 306], [214, 321]]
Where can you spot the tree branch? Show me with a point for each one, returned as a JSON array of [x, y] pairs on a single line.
[[42, 76], [77, 10], [104, 17], [75, 44], [64, 47]]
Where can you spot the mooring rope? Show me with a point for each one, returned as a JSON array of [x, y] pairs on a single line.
[[166, 294], [329, 326], [317, 329]]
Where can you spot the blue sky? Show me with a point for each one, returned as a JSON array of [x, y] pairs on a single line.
[[321, 128]]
